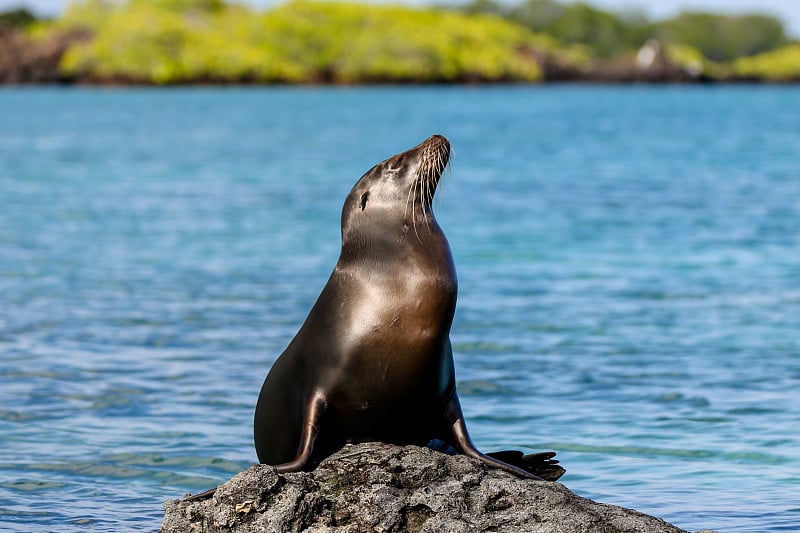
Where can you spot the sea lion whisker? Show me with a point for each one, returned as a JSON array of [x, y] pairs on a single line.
[[422, 201], [414, 209], [408, 200], [425, 185]]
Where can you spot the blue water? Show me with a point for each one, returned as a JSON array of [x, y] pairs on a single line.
[[628, 258]]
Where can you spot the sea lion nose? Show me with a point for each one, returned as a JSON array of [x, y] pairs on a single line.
[[436, 144], [436, 138]]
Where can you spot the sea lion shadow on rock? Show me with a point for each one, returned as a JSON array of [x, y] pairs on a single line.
[[373, 360]]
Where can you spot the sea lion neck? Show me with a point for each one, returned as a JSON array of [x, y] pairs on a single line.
[[393, 236]]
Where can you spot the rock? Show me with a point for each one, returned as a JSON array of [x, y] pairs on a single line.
[[651, 64], [25, 60], [377, 487]]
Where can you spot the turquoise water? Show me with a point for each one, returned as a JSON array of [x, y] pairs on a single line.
[[628, 258]]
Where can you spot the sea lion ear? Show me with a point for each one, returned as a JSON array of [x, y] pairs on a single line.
[[394, 164], [364, 198]]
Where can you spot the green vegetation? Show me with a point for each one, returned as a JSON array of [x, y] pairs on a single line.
[[782, 64], [306, 41], [606, 34], [182, 40], [609, 34], [724, 38], [692, 60], [16, 18]]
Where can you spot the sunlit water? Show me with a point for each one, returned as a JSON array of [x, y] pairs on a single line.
[[628, 258]]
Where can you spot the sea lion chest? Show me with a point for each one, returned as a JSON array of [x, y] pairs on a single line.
[[396, 341]]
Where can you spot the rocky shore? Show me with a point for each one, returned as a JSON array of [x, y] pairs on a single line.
[[378, 487], [25, 61]]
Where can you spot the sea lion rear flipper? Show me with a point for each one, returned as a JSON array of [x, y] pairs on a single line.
[[202, 496], [314, 409], [539, 464], [464, 444]]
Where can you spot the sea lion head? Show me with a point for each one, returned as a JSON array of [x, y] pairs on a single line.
[[397, 192]]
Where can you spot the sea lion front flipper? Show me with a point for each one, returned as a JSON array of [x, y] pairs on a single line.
[[539, 464], [314, 409], [464, 445]]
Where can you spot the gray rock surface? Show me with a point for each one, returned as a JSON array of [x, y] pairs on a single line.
[[378, 487]]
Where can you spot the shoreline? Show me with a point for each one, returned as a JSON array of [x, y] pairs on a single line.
[[25, 61], [397, 84]]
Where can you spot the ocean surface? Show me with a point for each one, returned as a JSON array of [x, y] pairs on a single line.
[[628, 261]]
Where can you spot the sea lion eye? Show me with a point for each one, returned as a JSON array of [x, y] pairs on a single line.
[[364, 198]]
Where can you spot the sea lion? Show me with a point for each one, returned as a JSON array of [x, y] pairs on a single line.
[[373, 360]]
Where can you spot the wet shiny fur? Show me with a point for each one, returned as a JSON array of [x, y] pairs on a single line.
[[373, 360]]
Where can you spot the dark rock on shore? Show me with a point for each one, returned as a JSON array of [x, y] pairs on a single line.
[[23, 60], [383, 488], [650, 65]]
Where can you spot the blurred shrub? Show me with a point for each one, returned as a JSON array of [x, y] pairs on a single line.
[[182, 5], [693, 61], [606, 33], [611, 34], [603, 33], [782, 64], [351, 42], [183, 40], [16, 18], [724, 37], [140, 43], [87, 15]]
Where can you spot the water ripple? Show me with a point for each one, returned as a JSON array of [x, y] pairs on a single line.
[[628, 285]]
